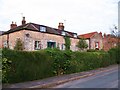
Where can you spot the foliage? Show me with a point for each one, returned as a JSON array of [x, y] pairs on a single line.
[[27, 66], [20, 66], [82, 44], [61, 60], [67, 43], [6, 68], [19, 45], [115, 54]]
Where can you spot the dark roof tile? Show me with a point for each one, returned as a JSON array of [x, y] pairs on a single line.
[[36, 27]]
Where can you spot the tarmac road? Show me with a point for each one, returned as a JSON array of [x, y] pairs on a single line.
[[107, 79]]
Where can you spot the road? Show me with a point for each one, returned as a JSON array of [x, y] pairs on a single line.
[[106, 79]]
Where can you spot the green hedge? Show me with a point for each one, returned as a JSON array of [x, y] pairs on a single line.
[[27, 66], [20, 66], [115, 55]]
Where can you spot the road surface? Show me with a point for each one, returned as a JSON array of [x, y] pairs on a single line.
[[105, 79]]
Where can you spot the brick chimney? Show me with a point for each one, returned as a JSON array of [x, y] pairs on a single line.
[[61, 26], [104, 35], [13, 25], [23, 21], [100, 34]]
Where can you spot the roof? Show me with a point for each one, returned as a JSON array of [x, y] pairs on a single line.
[[1, 32], [36, 27], [87, 35]]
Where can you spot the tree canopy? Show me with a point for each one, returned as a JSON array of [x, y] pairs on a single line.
[[82, 44]]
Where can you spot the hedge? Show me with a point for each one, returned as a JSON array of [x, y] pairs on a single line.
[[21, 66]]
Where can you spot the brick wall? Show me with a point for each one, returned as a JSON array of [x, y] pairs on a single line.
[[109, 42], [96, 39]]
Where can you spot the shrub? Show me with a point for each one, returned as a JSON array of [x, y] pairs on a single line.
[[115, 54], [82, 44], [27, 66], [20, 66]]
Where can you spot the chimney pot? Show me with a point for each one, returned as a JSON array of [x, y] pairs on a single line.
[[61, 26], [13, 25], [23, 21]]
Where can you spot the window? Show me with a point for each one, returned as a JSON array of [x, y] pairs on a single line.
[[96, 45], [37, 45], [42, 29], [63, 47], [63, 33], [75, 35], [5, 44], [51, 44]]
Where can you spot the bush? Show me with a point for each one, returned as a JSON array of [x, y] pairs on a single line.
[[20, 66], [115, 55], [28, 66]]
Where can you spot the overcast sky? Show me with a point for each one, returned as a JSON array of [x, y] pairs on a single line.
[[80, 16]]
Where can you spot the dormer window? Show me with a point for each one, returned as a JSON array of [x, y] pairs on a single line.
[[63, 33], [42, 29], [75, 35]]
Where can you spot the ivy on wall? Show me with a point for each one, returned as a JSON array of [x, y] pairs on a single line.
[[67, 43]]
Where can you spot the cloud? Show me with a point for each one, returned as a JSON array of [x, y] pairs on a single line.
[[81, 15]]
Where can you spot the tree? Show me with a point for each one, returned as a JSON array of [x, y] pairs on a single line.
[[19, 45], [82, 44], [67, 43], [114, 31]]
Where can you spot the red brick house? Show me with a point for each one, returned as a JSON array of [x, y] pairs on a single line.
[[98, 41], [109, 42], [36, 36], [93, 39]]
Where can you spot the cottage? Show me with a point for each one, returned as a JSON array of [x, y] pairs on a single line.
[[93, 39], [36, 36]]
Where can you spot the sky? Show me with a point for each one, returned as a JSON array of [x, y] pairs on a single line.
[[79, 16]]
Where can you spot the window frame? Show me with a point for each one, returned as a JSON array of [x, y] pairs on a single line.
[[42, 29], [37, 45]]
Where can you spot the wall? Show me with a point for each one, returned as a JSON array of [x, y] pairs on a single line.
[[44, 38], [109, 42], [96, 38], [3, 40], [74, 42]]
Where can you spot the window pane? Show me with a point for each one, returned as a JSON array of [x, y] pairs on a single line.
[[42, 29]]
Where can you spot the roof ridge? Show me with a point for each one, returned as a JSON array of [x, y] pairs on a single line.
[[89, 33]]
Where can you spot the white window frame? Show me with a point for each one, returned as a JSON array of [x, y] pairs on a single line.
[[63, 33], [38, 46], [42, 29]]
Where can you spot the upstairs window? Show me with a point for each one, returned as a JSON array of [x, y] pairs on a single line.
[[75, 35], [42, 29], [63, 33]]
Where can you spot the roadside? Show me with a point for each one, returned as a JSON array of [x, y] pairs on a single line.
[[52, 81]]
